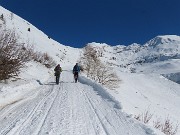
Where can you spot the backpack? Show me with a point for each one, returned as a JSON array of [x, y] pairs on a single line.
[[76, 68]]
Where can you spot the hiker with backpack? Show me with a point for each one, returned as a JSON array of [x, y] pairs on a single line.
[[76, 70], [57, 73]]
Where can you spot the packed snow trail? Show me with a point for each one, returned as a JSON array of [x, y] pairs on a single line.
[[67, 109]]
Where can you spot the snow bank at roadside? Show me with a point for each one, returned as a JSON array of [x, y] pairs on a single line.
[[31, 77], [175, 77], [101, 91]]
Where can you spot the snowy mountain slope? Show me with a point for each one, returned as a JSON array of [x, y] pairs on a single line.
[[150, 77], [34, 73], [160, 48], [86, 108], [40, 41], [167, 39]]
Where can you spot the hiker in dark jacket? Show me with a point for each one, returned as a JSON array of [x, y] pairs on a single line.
[[76, 70], [58, 71]]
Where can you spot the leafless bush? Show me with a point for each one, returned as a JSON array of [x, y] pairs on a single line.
[[44, 59], [13, 54], [145, 117], [138, 117], [48, 61], [106, 76], [88, 60], [157, 124], [167, 127], [96, 70], [2, 18]]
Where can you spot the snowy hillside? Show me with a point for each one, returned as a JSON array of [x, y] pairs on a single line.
[[149, 77], [40, 41], [159, 49]]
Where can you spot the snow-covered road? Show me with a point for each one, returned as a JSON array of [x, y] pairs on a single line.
[[67, 109]]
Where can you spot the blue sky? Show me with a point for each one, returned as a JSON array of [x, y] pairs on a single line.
[[78, 22]]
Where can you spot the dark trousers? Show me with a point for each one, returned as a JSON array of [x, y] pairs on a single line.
[[57, 79], [76, 76]]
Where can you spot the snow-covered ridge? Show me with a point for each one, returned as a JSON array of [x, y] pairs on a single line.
[[160, 48], [165, 39], [41, 42]]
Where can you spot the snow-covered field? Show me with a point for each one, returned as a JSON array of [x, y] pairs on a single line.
[[149, 76], [68, 109]]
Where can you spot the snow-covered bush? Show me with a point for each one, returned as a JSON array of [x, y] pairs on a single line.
[[96, 70]]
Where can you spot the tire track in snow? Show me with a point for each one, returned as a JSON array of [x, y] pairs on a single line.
[[84, 120], [114, 121], [65, 118], [69, 115], [48, 111], [35, 122], [47, 125], [95, 113], [18, 114]]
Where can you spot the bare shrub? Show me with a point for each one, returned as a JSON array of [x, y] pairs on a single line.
[[96, 70], [145, 117], [106, 76], [168, 128], [44, 59], [48, 61], [2, 18], [138, 117], [88, 60], [13, 54], [157, 124]]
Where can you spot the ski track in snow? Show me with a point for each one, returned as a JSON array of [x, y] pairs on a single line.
[[66, 109]]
